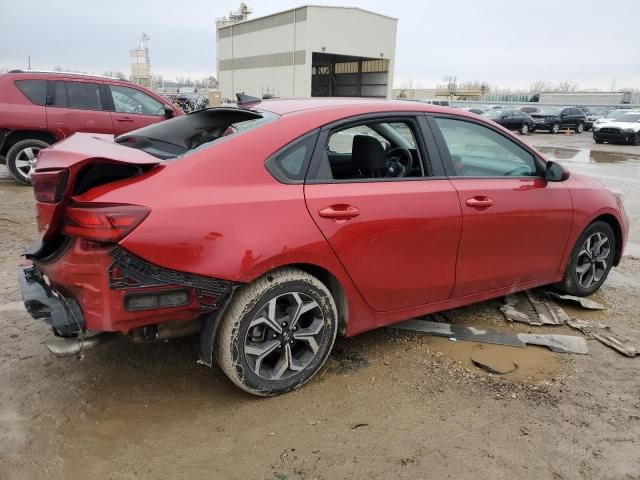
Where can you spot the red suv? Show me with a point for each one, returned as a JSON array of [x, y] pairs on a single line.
[[41, 108]]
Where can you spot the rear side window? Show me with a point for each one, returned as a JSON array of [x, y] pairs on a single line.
[[34, 90], [289, 166], [81, 95]]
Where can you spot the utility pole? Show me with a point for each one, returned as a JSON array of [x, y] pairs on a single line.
[[29, 61]]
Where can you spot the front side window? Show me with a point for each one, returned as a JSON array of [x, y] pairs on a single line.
[[131, 100], [81, 95], [478, 151], [372, 150], [34, 90]]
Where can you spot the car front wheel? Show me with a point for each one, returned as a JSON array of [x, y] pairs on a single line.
[[524, 129], [555, 128], [591, 260], [277, 332], [580, 127], [21, 159]]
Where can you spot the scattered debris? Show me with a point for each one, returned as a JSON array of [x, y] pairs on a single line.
[[616, 344], [584, 302], [585, 326], [532, 308], [490, 362], [358, 425], [557, 343], [516, 310]]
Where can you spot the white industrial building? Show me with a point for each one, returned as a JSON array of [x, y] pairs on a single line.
[[310, 51]]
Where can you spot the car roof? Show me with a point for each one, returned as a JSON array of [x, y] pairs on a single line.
[[286, 106], [38, 73]]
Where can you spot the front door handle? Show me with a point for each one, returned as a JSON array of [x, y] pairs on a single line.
[[339, 212], [479, 202], [124, 119]]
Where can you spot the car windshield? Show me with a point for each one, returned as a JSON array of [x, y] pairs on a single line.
[[616, 113], [629, 117], [186, 134], [549, 111]]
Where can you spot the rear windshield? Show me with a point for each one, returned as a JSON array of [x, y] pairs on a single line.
[[34, 90], [616, 113], [186, 134], [549, 111]]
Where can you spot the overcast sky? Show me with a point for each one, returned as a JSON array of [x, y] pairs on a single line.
[[502, 42]]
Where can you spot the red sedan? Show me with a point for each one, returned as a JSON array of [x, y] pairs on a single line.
[[273, 226]]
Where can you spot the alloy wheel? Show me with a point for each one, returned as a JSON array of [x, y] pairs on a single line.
[[26, 161], [284, 336], [592, 259]]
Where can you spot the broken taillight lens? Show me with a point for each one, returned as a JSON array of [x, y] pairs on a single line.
[[103, 222], [49, 186]]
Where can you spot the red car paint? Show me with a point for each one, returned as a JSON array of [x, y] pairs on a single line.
[[416, 247], [21, 118]]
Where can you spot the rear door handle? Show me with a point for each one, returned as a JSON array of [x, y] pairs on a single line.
[[124, 119], [339, 212], [479, 202]]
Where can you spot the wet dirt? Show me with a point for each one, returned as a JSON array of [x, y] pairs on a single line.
[[388, 404]]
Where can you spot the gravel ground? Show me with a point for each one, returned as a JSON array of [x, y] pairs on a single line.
[[388, 404]]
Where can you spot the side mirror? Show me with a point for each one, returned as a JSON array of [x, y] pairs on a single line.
[[168, 111], [555, 172]]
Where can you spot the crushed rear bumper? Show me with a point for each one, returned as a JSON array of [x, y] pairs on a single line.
[[63, 314]]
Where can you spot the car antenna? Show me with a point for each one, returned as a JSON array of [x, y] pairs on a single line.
[[244, 99]]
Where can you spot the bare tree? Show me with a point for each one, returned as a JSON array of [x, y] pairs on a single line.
[[115, 74], [567, 86], [539, 86]]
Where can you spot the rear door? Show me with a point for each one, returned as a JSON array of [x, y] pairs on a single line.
[[397, 237], [515, 223], [132, 108], [76, 105]]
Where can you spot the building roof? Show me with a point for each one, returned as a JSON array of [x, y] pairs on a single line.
[[305, 6]]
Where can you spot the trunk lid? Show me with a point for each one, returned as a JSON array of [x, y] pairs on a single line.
[[83, 161]]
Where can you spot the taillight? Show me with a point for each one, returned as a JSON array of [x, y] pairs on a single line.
[[103, 222], [49, 186]]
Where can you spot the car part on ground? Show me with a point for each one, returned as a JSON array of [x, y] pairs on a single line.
[[556, 343]]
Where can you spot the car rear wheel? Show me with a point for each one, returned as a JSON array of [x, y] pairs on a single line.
[[524, 129], [21, 159], [555, 128], [580, 127], [277, 332], [591, 260], [635, 140], [598, 140]]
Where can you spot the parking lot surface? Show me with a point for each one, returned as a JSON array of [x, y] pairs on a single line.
[[388, 404]]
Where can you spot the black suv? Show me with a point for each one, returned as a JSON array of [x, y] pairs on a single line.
[[512, 119], [556, 119]]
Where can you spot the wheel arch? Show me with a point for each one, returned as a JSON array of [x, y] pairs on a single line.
[[335, 287], [613, 222], [18, 135]]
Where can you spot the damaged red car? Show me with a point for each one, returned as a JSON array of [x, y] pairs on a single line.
[[270, 227]]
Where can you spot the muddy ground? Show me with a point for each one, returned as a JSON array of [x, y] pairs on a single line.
[[388, 404]]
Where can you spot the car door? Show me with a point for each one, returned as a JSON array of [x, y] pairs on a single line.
[[76, 105], [397, 237], [567, 118], [132, 108], [515, 223]]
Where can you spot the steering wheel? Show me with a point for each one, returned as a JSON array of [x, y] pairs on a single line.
[[399, 162]]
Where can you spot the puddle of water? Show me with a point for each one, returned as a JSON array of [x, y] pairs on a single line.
[[535, 364], [586, 155]]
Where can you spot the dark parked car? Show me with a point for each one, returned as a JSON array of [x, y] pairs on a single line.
[[41, 108], [555, 119], [512, 119], [593, 114]]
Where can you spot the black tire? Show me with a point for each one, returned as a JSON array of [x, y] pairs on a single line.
[[635, 140], [524, 129], [555, 128], [19, 172], [597, 140], [571, 283], [580, 127], [249, 305]]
